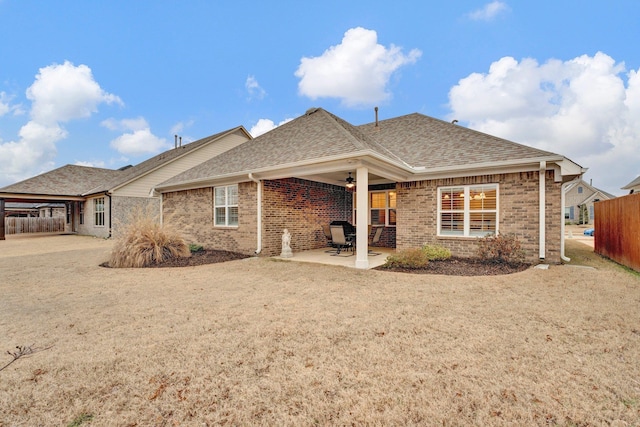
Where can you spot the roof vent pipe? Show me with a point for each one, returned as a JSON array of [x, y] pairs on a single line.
[[376, 110], [180, 142], [175, 140]]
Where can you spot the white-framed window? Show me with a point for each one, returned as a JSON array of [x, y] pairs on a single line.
[[226, 206], [98, 212], [468, 210], [382, 208]]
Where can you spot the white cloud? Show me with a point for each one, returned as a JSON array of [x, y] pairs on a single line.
[[254, 89], [179, 127], [66, 92], [489, 11], [60, 93], [264, 126], [138, 123], [581, 108], [6, 106], [356, 71], [91, 164], [139, 142]]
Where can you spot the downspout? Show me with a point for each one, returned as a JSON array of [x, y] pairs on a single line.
[[542, 210], [563, 189], [110, 212], [259, 213]]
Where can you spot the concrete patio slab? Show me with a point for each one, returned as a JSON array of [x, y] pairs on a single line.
[[346, 259]]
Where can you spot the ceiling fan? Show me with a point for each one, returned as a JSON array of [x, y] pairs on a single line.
[[351, 182]]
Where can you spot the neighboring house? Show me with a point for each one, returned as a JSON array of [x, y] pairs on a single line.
[[21, 210], [42, 210], [579, 200], [633, 186], [99, 201], [51, 210], [424, 180]]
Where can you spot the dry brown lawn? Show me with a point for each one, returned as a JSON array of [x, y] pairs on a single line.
[[262, 342]]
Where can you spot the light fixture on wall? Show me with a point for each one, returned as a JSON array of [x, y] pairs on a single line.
[[350, 182]]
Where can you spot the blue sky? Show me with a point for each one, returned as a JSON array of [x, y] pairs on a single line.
[[109, 83]]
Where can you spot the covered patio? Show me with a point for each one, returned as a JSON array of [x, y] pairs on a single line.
[[348, 259]]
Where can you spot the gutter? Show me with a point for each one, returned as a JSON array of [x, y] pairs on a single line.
[[258, 213], [563, 190], [110, 212], [542, 210]]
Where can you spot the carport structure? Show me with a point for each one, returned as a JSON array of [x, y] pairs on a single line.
[[70, 184]]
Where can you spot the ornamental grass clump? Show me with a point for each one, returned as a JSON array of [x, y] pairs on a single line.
[[501, 248], [436, 253], [407, 258], [145, 242]]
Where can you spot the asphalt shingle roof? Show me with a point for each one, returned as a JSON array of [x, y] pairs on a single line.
[[158, 160], [632, 184], [72, 180], [315, 135], [424, 141], [414, 139], [69, 180]]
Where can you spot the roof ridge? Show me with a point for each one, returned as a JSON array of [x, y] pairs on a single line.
[[366, 141]]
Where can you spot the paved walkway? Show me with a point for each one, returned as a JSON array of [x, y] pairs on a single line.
[[576, 232]]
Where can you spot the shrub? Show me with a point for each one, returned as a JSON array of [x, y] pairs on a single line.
[[501, 249], [195, 248], [145, 242], [436, 253], [407, 258]]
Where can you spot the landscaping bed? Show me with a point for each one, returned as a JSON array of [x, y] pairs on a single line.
[[462, 267]]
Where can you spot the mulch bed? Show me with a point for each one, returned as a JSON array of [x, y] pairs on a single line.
[[463, 267], [206, 256], [452, 267]]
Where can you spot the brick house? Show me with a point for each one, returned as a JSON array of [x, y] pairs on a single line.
[[98, 201], [424, 180]]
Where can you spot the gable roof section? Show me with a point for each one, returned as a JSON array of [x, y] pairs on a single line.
[[78, 181], [591, 194], [316, 135], [632, 184], [415, 143], [426, 142], [149, 165], [69, 180]]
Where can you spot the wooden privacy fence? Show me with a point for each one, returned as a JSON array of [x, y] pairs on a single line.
[[617, 230], [15, 225]]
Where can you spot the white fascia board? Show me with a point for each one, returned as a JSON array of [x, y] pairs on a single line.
[[526, 165], [570, 168], [306, 168], [30, 196]]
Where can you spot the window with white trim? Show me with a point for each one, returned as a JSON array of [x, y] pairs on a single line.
[[98, 211], [226, 206], [468, 210], [382, 208]]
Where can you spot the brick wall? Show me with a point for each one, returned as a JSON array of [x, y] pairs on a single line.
[[518, 213], [124, 207], [191, 213], [302, 207]]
